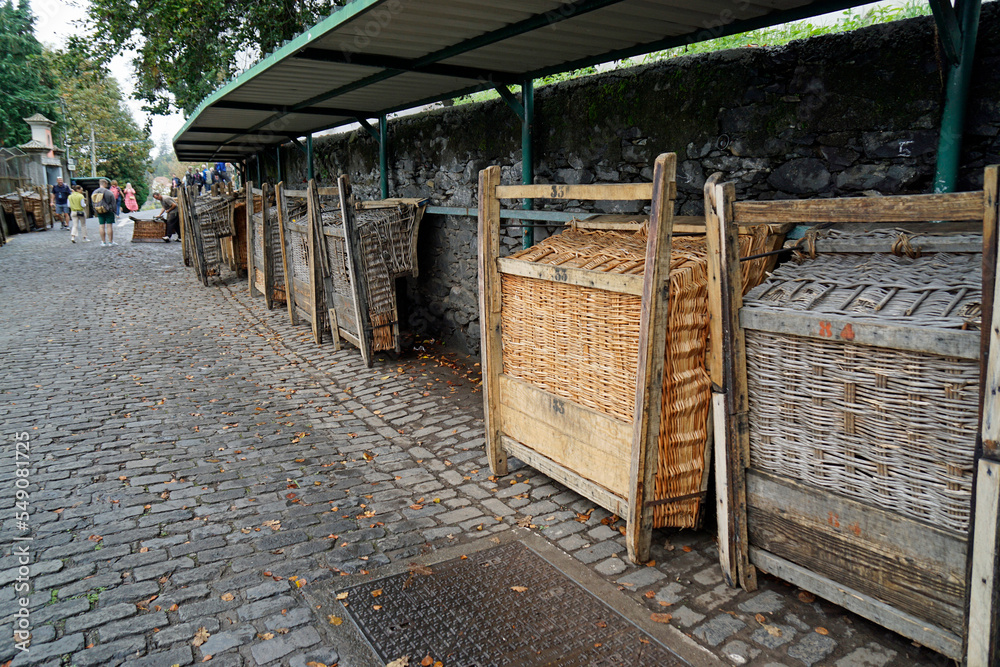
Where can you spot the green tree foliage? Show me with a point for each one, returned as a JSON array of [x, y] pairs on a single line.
[[25, 88], [93, 98], [166, 163], [185, 50]]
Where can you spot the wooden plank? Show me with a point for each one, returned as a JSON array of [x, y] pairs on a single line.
[[297, 194], [737, 432], [265, 230], [905, 624], [652, 359], [609, 501], [984, 597], [251, 269], [350, 338], [315, 222], [315, 278], [990, 345], [713, 246], [286, 251], [299, 227], [862, 331], [727, 556], [624, 283], [334, 328], [904, 208], [913, 566], [596, 191], [489, 315], [854, 245], [392, 202], [354, 269], [328, 192], [592, 444]]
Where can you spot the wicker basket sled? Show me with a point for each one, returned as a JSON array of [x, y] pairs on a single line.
[[265, 257], [357, 258], [593, 371], [148, 231], [205, 221], [847, 426]]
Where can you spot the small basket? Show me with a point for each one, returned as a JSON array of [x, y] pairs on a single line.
[[148, 231]]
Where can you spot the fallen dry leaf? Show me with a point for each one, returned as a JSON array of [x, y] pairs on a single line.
[[427, 661], [686, 549], [760, 618], [660, 618], [228, 597], [807, 597], [822, 631], [377, 592], [313, 663], [420, 569], [334, 620], [773, 630], [399, 662], [519, 589], [200, 637], [650, 595], [342, 596]]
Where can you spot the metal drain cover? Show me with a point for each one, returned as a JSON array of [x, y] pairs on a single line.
[[501, 606]]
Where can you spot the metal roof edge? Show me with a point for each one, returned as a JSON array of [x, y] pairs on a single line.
[[340, 16]]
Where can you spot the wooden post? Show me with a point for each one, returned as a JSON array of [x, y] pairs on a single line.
[[354, 268], [315, 276], [652, 358], [286, 251], [489, 315], [316, 223], [265, 233], [983, 633], [737, 435], [251, 269], [724, 518]]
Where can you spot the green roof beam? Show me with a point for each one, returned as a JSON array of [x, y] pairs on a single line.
[[402, 65]]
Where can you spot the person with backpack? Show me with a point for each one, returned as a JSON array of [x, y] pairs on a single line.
[[104, 206]]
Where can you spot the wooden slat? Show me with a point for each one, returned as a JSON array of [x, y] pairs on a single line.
[[821, 326], [623, 283], [359, 283], [251, 269], [727, 556], [990, 345], [609, 501], [909, 564], [280, 197], [984, 598], [602, 191], [328, 192], [652, 359], [489, 314], [906, 208], [392, 202], [594, 445], [885, 615], [297, 194], [301, 228], [734, 380], [314, 215], [315, 276], [714, 359], [265, 229]]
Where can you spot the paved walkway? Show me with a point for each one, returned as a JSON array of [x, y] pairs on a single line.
[[192, 459]]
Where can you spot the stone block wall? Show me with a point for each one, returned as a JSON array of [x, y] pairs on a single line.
[[836, 115]]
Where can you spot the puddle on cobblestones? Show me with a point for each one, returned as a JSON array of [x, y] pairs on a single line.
[[503, 604]]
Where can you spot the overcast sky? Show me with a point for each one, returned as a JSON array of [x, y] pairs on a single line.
[[58, 19]]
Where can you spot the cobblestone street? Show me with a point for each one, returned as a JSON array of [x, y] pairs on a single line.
[[197, 465]]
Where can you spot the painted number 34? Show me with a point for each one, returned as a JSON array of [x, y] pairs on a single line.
[[826, 331]]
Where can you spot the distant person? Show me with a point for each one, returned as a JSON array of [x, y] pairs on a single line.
[[117, 192], [104, 207], [78, 214], [60, 199], [130, 203], [170, 213], [199, 179], [220, 169]]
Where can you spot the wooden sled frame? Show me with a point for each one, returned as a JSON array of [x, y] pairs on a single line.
[[302, 300], [738, 557], [507, 400], [268, 270]]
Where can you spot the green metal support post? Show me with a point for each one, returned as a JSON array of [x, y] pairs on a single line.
[[383, 155], [958, 26], [256, 158], [309, 157], [527, 154], [277, 159]]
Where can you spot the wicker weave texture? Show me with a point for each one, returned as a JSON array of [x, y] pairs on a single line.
[[886, 427], [582, 344], [942, 290], [148, 230]]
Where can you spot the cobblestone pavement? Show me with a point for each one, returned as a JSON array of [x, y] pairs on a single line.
[[192, 454]]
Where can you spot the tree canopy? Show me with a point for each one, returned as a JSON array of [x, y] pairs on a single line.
[[185, 50], [24, 83], [93, 98]]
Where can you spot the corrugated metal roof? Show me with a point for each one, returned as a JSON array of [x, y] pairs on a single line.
[[379, 56]]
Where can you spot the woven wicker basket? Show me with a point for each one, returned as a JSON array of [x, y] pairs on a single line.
[[147, 231], [268, 250], [890, 428], [582, 344]]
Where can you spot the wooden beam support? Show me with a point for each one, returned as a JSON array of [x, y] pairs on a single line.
[[652, 359], [489, 315]]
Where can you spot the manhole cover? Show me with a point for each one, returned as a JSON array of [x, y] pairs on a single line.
[[501, 606]]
